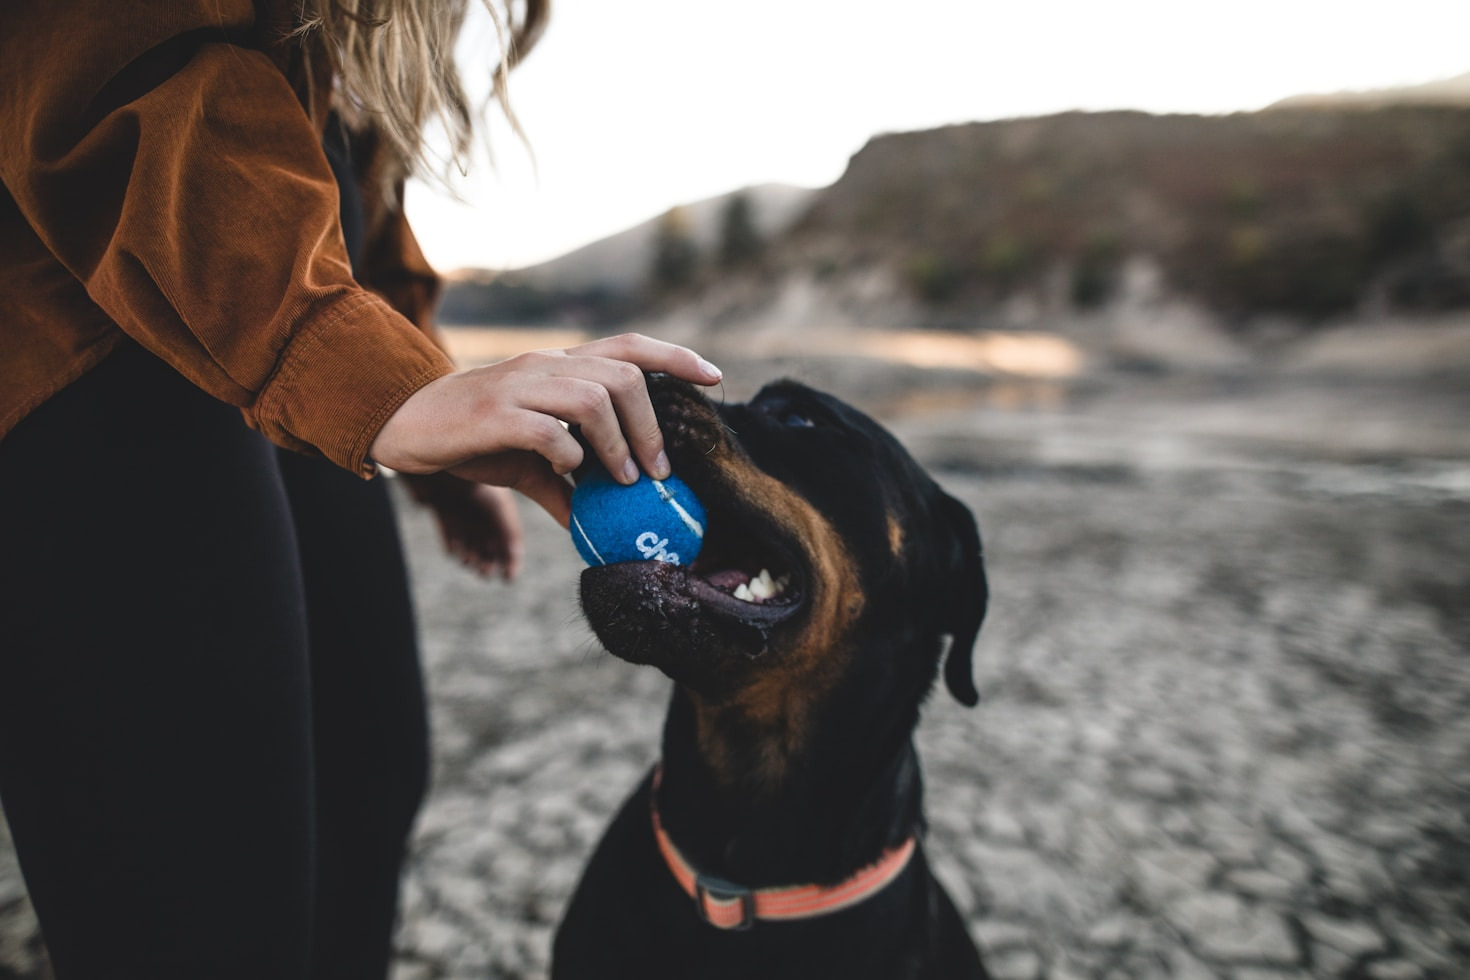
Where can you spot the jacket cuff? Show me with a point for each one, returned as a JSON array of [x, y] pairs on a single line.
[[340, 379]]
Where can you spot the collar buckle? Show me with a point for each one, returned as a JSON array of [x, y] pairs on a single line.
[[708, 888]]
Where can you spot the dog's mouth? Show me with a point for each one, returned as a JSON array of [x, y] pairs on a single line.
[[751, 577], [746, 575], [744, 569]]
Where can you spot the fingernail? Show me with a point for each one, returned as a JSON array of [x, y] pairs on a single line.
[[710, 369], [630, 471], [661, 468]]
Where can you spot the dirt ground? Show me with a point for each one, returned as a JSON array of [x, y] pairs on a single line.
[[1225, 716]]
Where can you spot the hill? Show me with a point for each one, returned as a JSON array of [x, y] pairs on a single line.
[[1308, 212], [1300, 214], [1444, 91], [603, 282], [621, 261]]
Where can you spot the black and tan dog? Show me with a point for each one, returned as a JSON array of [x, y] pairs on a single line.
[[779, 836]]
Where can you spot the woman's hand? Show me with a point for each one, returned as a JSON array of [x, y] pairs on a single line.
[[502, 424], [477, 523]]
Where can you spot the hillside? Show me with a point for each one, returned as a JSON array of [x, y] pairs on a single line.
[[1443, 91], [1309, 212], [1304, 215], [603, 282], [621, 261]]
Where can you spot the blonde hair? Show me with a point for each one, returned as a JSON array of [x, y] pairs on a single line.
[[393, 61]]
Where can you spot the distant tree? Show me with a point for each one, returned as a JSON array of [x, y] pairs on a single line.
[[675, 256], [740, 242], [1095, 270]]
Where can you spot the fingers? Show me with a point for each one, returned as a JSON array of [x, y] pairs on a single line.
[[539, 430], [515, 558], [628, 392], [590, 399], [652, 355], [618, 364], [524, 404], [600, 386], [509, 538], [608, 400]]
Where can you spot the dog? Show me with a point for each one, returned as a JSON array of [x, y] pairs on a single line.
[[780, 836]]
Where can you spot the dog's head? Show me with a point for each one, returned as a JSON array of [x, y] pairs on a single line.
[[873, 574]]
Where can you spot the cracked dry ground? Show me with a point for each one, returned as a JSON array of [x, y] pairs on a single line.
[[1224, 733]]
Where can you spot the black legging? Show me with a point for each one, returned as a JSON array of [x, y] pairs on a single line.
[[212, 731]]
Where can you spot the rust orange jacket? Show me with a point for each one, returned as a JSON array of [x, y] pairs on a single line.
[[163, 180]]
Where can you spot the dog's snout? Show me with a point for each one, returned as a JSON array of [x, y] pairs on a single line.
[[684, 414]]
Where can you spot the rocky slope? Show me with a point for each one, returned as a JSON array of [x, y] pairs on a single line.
[[1305, 212]]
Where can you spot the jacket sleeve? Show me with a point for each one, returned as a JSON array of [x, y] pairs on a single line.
[[173, 171], [395, 268]]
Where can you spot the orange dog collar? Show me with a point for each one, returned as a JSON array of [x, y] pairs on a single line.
[[726, 905]]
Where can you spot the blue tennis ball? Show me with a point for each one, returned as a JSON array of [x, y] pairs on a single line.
[[653, 520]]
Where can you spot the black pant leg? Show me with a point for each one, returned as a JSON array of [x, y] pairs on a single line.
[[369, 719], [155, 743]]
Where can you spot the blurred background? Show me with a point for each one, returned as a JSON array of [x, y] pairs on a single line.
[[1175, 297]]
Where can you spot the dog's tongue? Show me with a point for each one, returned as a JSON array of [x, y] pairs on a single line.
[[730, 579]]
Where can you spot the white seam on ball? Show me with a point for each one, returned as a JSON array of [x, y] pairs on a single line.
[[688, 518], [583, 532]]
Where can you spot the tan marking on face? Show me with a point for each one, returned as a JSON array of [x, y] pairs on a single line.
[[777, 702], [895, 536]]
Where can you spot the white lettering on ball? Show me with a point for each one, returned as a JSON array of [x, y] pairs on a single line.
[[649, 545]]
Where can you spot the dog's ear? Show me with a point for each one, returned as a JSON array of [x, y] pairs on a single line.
[[965, 599]]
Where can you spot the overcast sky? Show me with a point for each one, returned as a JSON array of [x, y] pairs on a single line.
[[633, 106]]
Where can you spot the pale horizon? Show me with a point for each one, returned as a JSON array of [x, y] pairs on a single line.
[[632, 108]]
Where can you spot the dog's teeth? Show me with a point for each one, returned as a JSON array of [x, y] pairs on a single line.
[[774, 588], [761, 586]]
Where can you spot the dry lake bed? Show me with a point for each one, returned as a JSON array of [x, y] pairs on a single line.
[[1225, 681]]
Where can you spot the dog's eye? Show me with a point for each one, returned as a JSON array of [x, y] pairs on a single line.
[[795, 420]]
